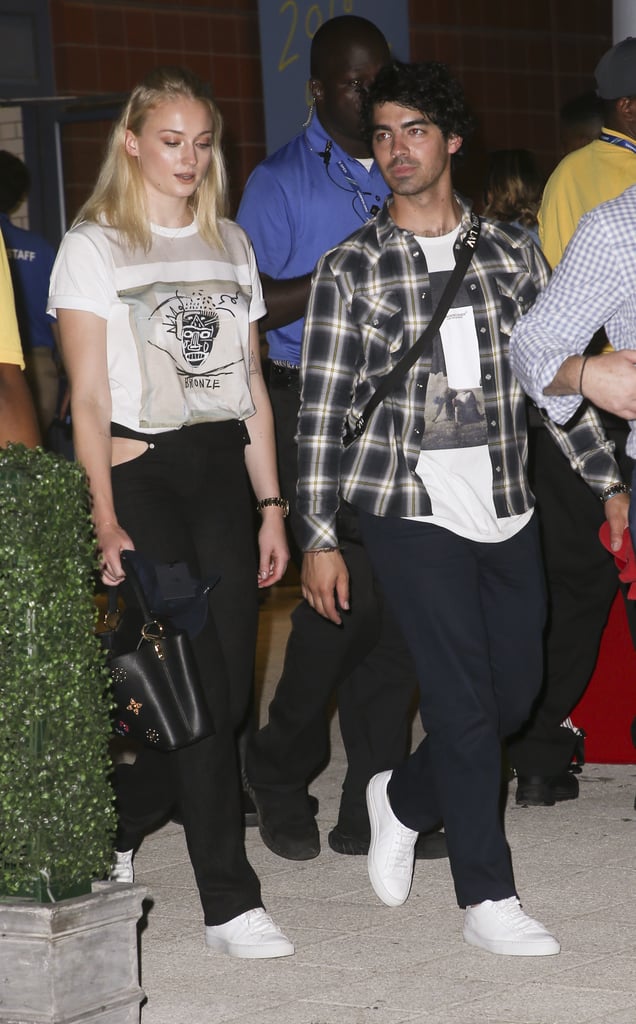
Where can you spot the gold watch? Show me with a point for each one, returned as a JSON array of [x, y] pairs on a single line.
[[277, 502]]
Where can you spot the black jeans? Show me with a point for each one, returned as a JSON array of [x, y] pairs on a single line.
[[186, 499], [582, 583]]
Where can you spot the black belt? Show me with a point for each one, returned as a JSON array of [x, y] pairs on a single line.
[[284, 376]]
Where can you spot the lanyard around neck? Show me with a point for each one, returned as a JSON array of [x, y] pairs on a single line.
[[353, 185], [614, 140], [350, 180]]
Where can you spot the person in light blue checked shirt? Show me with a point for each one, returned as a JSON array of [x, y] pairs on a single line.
[[593, 286]]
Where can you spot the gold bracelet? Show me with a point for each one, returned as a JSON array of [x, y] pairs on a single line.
[[585, 359], [276, 502]]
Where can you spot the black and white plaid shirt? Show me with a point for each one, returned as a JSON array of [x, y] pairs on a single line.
[[370, 301]]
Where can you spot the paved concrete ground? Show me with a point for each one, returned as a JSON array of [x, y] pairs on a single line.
[[359, 962]]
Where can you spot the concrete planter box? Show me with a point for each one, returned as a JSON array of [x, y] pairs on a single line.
[[74, 961]]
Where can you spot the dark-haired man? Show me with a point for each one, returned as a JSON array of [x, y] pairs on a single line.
[[445, 509], [299, 202]]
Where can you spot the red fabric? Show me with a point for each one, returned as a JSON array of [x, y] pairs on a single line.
[[608, 706]]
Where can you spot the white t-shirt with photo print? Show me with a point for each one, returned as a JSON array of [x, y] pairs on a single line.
[[454, 464]]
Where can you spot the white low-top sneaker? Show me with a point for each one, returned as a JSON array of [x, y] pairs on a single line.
[[122, 869], [392, 847], [252, 935], [500, 926]]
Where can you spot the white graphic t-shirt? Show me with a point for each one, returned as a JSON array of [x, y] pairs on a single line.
[[454, 464], [177, 318]]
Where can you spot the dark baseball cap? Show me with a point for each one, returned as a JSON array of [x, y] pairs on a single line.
[[616, 71]]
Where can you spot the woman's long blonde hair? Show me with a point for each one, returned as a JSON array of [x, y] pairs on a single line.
[[119, 196]]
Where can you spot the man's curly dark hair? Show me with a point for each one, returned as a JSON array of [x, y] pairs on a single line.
[[428, 87]]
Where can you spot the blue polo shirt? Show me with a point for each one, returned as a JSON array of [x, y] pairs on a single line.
[[31, 261], [296, 206]]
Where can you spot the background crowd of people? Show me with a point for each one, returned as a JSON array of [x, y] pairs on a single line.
[[423, 564]]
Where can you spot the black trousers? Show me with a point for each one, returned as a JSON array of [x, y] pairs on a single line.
[[582, 583], [186, 499], [365, 660], [473, 615]]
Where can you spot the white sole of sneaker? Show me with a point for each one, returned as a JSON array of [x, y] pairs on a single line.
[[379, 888], [542, 947], [273, 951]]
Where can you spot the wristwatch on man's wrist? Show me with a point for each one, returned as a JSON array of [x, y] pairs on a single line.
[[613, 490]]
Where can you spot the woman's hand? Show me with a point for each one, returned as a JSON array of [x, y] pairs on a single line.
[[272, 547], [112, 540]]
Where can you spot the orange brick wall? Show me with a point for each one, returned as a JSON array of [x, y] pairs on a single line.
[[518, 61]]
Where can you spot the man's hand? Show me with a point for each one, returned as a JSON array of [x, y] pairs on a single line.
[[324, 580], [616, 513], [609, 380]]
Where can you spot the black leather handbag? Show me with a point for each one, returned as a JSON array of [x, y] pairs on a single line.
[[159, 697]]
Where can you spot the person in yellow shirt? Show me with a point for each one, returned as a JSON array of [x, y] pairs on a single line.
[[17, 414], [581, 576], [604, 168]]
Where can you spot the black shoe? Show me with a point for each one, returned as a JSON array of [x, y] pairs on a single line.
[[543, 791], [250, 814], [287, 824], [429, 846]]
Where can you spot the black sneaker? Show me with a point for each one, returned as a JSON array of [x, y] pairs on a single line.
[[250, 814], [287, 824]]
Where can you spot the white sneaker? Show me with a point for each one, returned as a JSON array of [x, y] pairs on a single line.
[[501, 926], [122, 869], [252, 935], [392, 847]]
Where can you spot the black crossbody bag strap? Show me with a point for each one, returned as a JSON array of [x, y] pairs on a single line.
[[407, 361]]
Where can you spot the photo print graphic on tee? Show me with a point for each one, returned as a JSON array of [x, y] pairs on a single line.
[[454, 411]]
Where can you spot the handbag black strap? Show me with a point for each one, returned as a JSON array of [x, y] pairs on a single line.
[[135, 582], [401, 368]]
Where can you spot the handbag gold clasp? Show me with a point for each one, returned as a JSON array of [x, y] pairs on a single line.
[[154, 633]]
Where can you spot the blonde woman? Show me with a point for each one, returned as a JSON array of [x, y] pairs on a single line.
[[157, 297]]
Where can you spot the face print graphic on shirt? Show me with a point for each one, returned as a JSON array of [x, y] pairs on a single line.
[[189, 351], [195, 328]]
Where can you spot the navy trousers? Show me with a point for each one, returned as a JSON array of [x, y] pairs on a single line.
[[473, 616]]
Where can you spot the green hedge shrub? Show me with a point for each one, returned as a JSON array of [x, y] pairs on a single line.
[[56, 801]]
